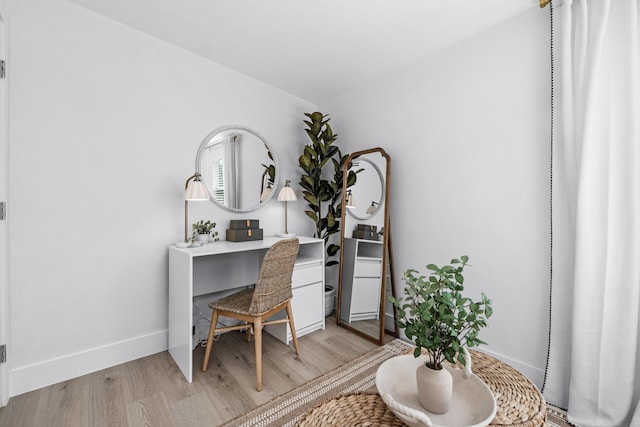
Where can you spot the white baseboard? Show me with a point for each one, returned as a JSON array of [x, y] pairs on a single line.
[[42, 374]]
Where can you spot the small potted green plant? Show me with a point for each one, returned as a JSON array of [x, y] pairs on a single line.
[[203, 231], [439, 319]]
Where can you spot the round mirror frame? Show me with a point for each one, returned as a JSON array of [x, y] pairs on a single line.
[[221, 129], [382, 191]]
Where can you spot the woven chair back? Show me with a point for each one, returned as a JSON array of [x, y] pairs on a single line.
[[274, 281]]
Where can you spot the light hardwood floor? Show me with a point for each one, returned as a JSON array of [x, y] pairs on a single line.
[[152, 391]]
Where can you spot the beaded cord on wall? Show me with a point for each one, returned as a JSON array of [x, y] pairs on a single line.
[[546, 368]]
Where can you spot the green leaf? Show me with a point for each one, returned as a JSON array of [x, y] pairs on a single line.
[[331, 220], [304, 160], [310, 197], [332, 151], [351, 179], [488, 310], [325, 196], [306, 179], [315, 116], [332, 249], [462, 360]]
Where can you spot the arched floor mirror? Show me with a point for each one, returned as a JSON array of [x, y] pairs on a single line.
[[366, 263]]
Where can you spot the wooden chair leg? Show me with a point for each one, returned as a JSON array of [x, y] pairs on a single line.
[[257, 330], [249, 332], [212, 330], [292, 326]]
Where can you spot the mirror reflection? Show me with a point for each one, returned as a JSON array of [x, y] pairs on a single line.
[[239, 168], [367, 196], [364, 279]]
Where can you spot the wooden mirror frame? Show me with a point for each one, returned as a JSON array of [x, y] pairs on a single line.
[[387, 256]]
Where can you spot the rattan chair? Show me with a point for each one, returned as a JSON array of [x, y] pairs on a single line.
[[271, 294]]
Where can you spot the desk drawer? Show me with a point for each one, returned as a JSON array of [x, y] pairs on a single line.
[[368, 267], [306, 273], [307, 305], [366, 295]]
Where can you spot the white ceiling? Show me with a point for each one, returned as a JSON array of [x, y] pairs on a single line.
[[316, 50]]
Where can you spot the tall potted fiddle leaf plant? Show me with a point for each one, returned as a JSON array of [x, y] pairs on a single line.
[[323, 193]]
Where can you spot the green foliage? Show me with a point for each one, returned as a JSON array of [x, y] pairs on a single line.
[[202, 227], [437, 317], [269, 170], [270, 173], [323, 196]]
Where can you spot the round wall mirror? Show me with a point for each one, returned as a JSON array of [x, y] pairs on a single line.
[[239, 168], [368, 191]]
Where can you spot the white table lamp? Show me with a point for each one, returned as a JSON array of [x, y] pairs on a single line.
[[265, 193], [194, 189], [286, 195], [350, 201]]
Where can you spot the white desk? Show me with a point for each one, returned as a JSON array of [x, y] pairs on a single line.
[[225, 265]]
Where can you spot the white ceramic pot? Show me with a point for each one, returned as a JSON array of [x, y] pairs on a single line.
[[204, 238], [329, 299], [435, 388]]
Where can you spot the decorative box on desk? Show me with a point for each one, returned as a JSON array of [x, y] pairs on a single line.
[[244, 230], [367, 235], [244, 224], [367, 227], [366, 231], [244, 235]]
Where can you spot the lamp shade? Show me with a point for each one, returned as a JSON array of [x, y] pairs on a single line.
[[350, 200], [196, 190], [265, 193], [287, 194], [372, 208]]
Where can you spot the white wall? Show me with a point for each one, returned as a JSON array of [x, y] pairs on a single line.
[[467, 130], [105, 123]]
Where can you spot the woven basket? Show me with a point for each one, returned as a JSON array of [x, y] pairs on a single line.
[[361, 409], [519, 402]]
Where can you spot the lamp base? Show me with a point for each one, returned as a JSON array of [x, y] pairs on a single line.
[[287, 235]]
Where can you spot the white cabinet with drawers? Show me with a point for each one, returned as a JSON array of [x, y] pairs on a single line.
[[307, 304], [361, 280]]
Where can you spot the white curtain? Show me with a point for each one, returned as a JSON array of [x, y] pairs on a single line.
[[593, 368]]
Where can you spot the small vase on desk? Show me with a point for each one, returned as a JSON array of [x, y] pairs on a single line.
[[202, 238]]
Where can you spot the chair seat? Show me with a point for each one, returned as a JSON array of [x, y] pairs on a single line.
[[240, 302]]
